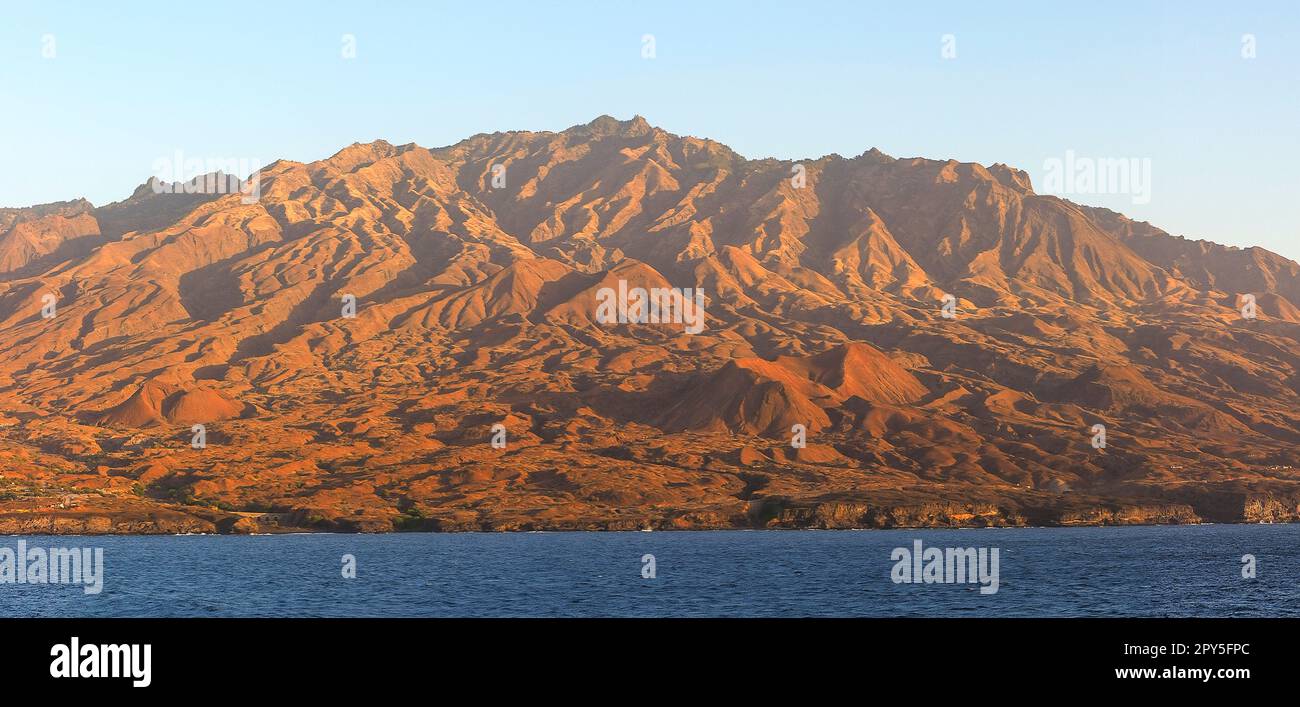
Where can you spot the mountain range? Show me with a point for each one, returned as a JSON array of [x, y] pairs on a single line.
[[400, 338]]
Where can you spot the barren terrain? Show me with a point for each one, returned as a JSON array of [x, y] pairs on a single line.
[[476, 305]]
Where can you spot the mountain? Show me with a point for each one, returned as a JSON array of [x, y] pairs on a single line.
[[351, 339]]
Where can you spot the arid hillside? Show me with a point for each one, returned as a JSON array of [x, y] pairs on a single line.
[[407, 338]]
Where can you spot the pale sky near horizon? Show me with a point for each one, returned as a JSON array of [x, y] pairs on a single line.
[[1029, 83]]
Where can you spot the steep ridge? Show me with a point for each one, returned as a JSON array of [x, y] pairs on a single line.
[[943, 334]]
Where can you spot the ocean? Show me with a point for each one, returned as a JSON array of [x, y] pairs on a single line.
[[1148, 571]]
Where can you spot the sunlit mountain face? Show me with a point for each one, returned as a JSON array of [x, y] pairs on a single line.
[[618, 327]]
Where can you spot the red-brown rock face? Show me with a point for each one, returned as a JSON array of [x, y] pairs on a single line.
[[349, 341]]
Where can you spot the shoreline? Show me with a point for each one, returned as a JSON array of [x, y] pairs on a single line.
[[875, 510], [556, 531]]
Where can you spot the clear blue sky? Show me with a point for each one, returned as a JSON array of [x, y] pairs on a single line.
[[798, 79]]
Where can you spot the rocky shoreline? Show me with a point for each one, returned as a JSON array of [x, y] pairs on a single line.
[[115, 516]]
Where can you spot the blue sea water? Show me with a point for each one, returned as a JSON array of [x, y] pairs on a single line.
[[1180, 571]]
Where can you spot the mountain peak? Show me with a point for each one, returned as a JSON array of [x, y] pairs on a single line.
[[362, 153], [609, 126], [1011, 177]]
